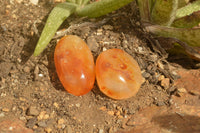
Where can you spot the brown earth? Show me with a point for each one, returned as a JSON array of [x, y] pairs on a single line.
[[33, 100]]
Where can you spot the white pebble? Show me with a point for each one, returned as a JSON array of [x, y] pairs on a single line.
[[40, 75], [104, 49], [34, 2]]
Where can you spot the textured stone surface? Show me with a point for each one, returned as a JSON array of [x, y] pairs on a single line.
[[190, 80], [32, 111], [13, 126], [180, 117]]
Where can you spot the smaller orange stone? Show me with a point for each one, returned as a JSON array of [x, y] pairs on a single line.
[[74, 65], [118, 74]]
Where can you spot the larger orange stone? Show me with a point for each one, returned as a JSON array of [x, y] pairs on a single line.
[[74, 65], [118, 74]]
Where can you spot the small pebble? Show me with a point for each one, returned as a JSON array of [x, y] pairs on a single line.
[[34, 2], [101, 131], [43, 115], [99, 32], [78, 105], [104, 48], [56, 105], [31, 122], [108, 27], [92, 44], [182, 90], [42, 124], [5, 110], [165, 82], [161, 77], [48, 130], [32, 111], [61, 121], [111, 113], [41, 75], [2, 114], [36, 71], [19, 1], [26, 69], [146, 74], [140, 49]]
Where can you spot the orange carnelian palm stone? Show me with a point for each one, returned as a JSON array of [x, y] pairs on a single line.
[[74, 65], [118, 74]]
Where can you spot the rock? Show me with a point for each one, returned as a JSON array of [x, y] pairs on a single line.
[[111, 113], [104, 48], [184, 98], [48, 130], [146, 74], [19, 1], [36, 72], [101, 131], [161, 77], [31, 122], [56, 105], [189, 80], [13, 126], [99, 32], [92, 44], [179, 117], [26, 69], [32, 111], [108, 27], [43, 115], [61, 124], [78, 105], [2, 115], [5, 110], [42, 124], [34, 2], [61, 121], [182, 90], [165, 83]]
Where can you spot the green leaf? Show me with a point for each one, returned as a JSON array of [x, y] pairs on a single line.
[[79, 2], [187, 21], [189, 9], [55, 19], [100, 8], [164, 11], [191, 36], [182, 3], [71, 1], [85, 2]]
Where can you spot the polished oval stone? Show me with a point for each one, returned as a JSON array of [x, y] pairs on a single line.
[[74, 65], [118, 75]]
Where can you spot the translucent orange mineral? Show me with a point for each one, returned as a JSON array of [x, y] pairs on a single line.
[[118, 74], [74, 65]]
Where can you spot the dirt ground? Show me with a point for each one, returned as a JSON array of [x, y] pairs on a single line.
[[31, 93]]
